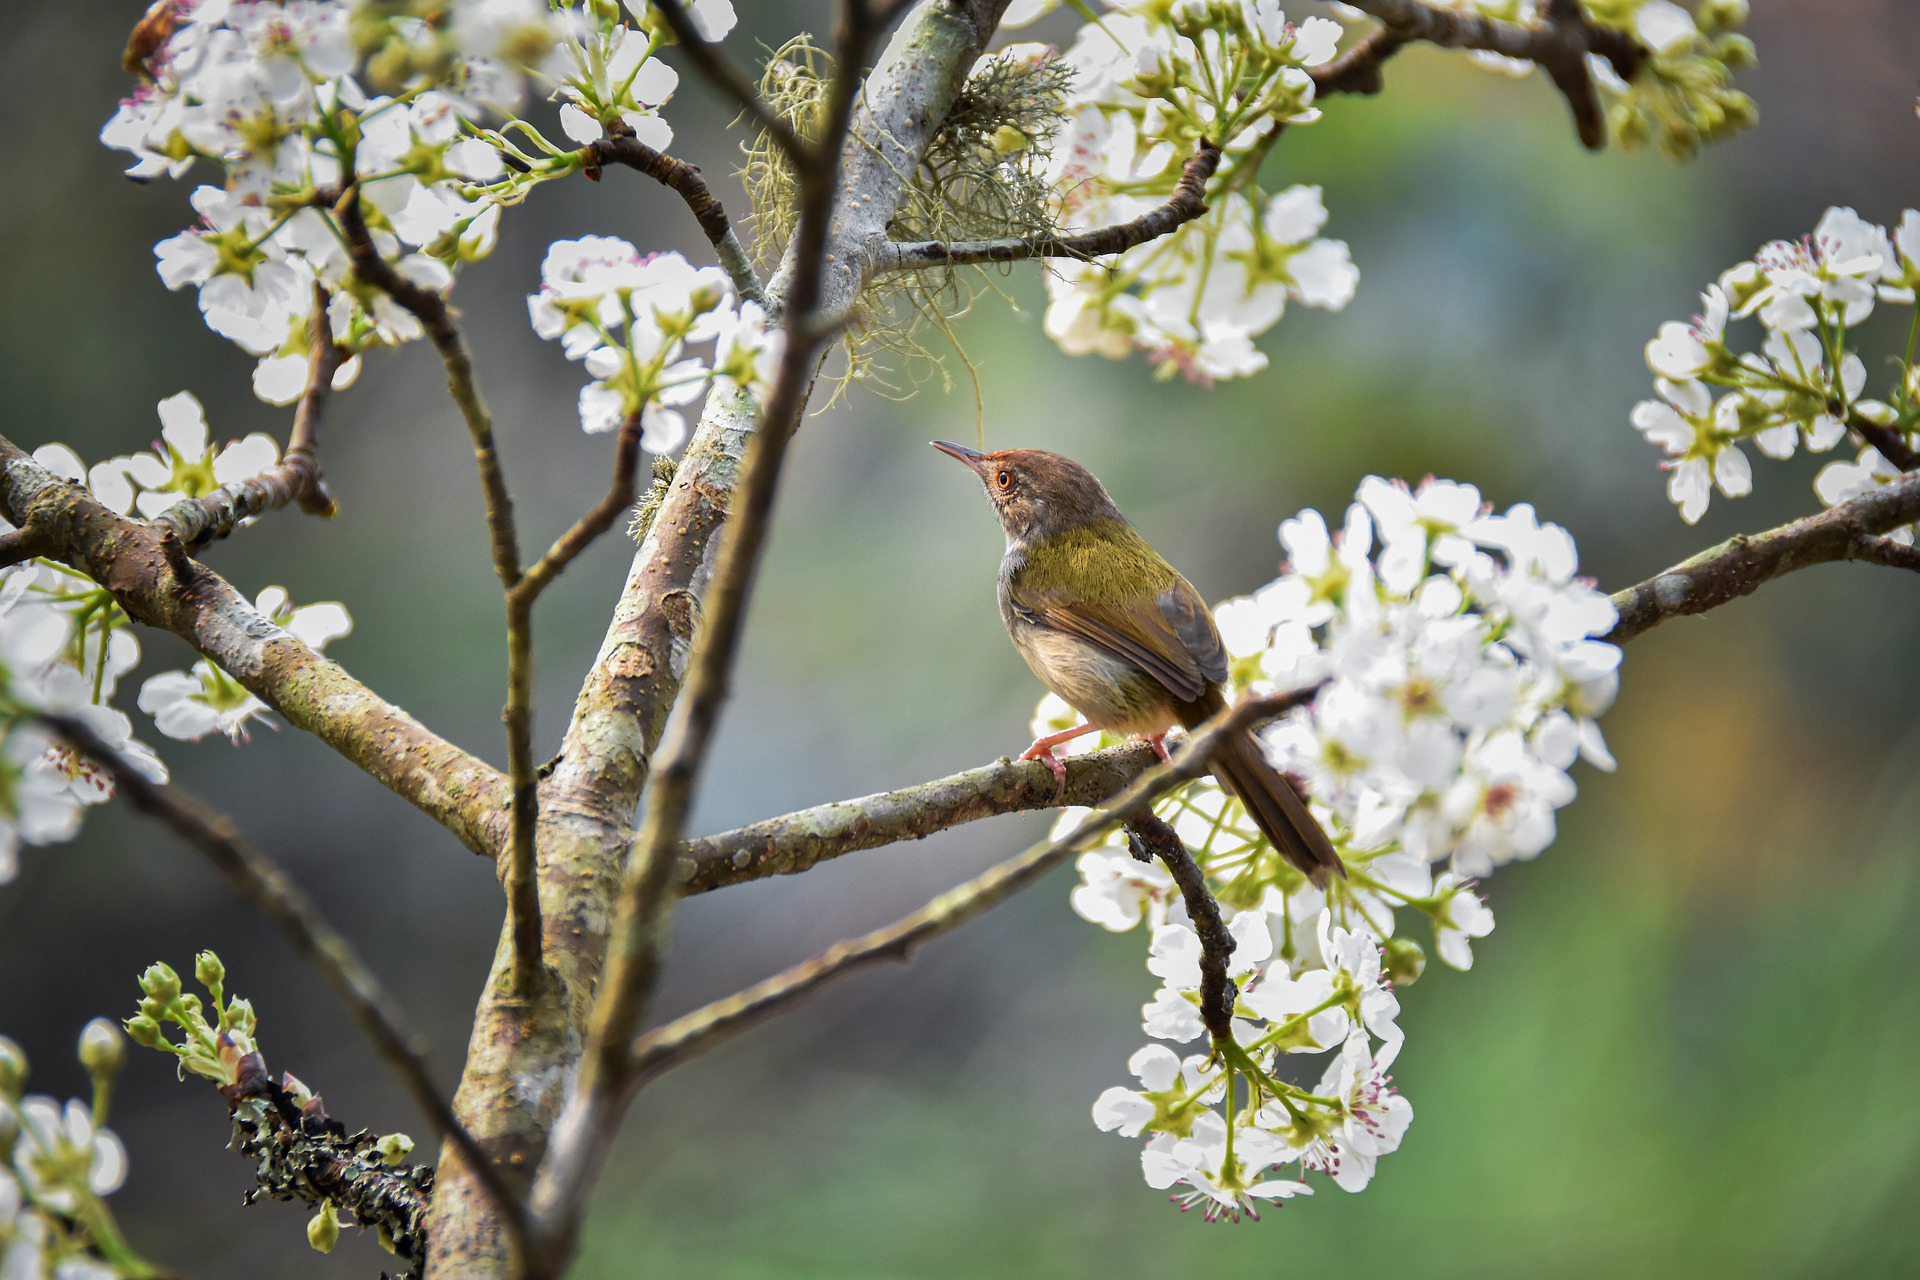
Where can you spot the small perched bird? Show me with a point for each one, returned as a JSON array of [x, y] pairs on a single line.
[[1120, 635]]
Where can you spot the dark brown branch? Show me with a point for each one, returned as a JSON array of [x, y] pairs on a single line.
[[1891, 444], [685, 181], [1560, 45], [295, 478], [261, 881], [1358, 69], [22, 545], [695, 1033], [1739, 565], [1187, 203], [798, 841], [431, 310], [728, 79], [150, 576], [1151, 836]]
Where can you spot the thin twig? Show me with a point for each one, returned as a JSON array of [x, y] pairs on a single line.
[[685, 181], [296, 478], [1891, 444], [1187, 203], [1150, 832], [696, 1032], [521, 879], [1739, 565], [728, 79], [1560, 44], [262, 882]]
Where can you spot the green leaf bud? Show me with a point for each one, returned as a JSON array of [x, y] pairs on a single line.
[[395, 1148], [13, 1067]]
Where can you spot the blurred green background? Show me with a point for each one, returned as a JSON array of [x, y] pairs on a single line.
[[1687, 1050]]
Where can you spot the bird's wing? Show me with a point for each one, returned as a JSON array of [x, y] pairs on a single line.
[[1172, 638]]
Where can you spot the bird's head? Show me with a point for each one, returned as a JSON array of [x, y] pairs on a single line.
[[1035, 493]]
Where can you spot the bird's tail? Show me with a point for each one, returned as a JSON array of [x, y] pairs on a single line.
[[1274, 806]]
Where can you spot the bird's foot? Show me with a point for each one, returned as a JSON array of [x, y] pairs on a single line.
[[1042, 751], [1158, 741]]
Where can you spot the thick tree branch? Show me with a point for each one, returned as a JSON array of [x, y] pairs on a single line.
[[295, 478], [1187, 203], [685, 181], [261, 882], [1560, 44], [696, 1032], [152, 578], [799, 841], [431, 310], [1739, 565]]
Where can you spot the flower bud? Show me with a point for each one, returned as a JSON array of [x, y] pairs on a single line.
[[1403, 960], [1715, 16], [324, 1231], [13, 1067], [103, 1050], [208, 970], [145, 1032], [240, 1018], [394, 1148], [160, 982], [706, 298]]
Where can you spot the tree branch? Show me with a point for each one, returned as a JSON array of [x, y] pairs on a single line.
[[150, 576], [685, 181], [1187, 203], [1892, 444], [1560, 44], [1739, 565], [21, 545], [727, 78], [295, 478], [1150, 836], [261, 881], [799, 841], [430, 309], [696, 1032]]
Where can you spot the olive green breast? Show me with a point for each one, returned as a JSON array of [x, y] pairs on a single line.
[[1103, 561]]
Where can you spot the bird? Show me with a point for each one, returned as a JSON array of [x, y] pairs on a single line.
[[1113, 629]]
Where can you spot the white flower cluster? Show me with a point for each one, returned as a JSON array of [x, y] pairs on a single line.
[[1463, 679], [629, 317], [64, 646], [1804, 384], [56, 1165], [1152, 80], [280, 94], [1681, 94]]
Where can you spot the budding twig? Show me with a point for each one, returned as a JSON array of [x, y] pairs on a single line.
[[1187, 203], [1149, 832], [261, 881]]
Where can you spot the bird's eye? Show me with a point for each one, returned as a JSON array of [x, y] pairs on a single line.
[[1004, 479]]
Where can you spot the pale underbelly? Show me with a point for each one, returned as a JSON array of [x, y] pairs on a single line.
[[1107, 691]]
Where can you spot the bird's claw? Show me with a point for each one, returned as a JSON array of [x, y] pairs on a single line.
[[1043, 752]]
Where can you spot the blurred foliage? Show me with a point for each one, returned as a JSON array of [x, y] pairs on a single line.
[[1683, 1051]]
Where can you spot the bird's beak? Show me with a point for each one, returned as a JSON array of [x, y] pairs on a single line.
[[972, 457]]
